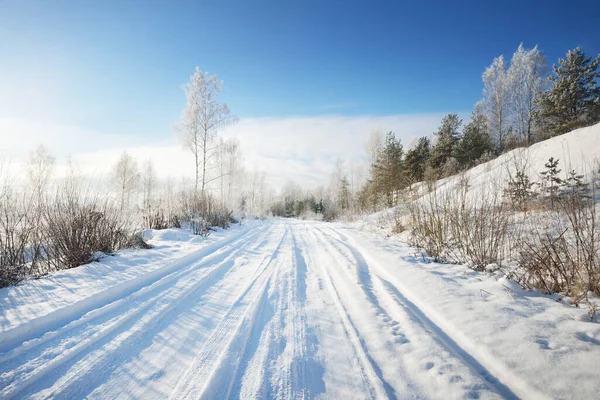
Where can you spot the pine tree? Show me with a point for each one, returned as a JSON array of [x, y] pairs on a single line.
[[388, 169], [551, 182], [519, 190], [475, 142], [575, 189], [344, 194], [416, 160], [447, 137], [573, 100]]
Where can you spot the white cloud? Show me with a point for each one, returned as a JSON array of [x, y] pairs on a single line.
[[300, 149]]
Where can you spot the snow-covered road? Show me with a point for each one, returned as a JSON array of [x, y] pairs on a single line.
[[284, 309]]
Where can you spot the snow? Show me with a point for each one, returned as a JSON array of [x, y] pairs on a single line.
[[286, 309], [578, 150]]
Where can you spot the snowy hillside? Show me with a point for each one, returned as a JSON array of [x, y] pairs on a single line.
[[578, 150]]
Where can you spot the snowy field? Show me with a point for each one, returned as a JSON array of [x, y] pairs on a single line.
[[289, 309]]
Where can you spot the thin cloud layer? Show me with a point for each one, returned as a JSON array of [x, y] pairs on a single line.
[[300, 149]]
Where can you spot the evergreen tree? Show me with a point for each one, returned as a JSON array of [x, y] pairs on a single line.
[[573, 100], [519, 190], [551, 182], [447, 137], [388, 169], [575, 189], [416, 159], [475, 142], [344, 194]]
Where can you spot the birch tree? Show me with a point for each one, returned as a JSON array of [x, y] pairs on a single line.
[[233, 158], [148, 184], [526, 81], [127, 178], [39, 170], [201, 121], [495, 100], [373, 146]]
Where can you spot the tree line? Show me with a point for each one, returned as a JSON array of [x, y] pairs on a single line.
[[522, 104]]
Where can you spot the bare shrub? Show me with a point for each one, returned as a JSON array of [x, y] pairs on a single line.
[[455, 227], [561, 252], [398, 221], [201, 213], [479, 228], [17, 230], [430, 224], [77, 227]]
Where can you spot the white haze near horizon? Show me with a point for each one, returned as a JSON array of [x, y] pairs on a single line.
[[303, 150]]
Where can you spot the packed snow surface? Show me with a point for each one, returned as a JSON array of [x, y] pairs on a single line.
[[289, 309]]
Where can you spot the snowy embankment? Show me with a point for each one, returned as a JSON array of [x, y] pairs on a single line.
[[578, 150], [288, 309]]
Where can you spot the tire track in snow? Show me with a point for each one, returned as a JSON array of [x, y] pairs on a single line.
[[397, 316], [289, 365], [492, 371], [210, 374], [264, 347], [60, 321], [76, 380], [276, 363], [297, 382], [23, 376], [377, 385]]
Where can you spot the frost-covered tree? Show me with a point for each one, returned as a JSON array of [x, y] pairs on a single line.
[[496, 100], [201, 121], [126, 177], [149, 181], [291, 194], [573, 99], [373, 146], [39, 170], [233, 155], [344, 194], [527, 81]]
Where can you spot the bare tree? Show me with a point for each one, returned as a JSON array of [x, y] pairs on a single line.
[[228, 160], [126, 177], [148, 183], [527, 82], [201, 121], [39, 170], [495, 99], [373, 145]]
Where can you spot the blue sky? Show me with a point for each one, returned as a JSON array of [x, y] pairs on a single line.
[[117, 66]]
